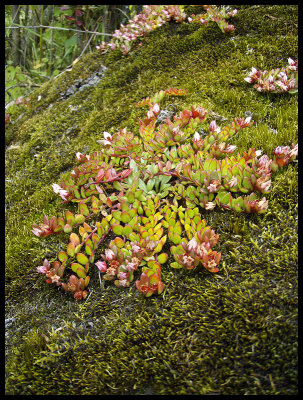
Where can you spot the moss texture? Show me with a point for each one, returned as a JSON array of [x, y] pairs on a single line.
[[234, 332]]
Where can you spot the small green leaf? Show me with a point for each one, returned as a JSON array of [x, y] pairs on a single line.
[[83, 209], [117, 229], [176, 239], [134, 237], [79, 270], [125, 217], [88, 249], [117, 215], [74, 238], [127, 230], [81, 258], [118, 242], [70, 218], [62, 255], [175, 265], [162, 258]]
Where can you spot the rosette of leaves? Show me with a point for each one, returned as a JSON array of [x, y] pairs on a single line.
[[198, 249], [76, 286], [279, 80], [123, 146], [171, 133], [150, 280], [217, 15]]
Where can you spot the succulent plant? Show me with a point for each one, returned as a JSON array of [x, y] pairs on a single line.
[[76, 286], [149, 191], [150, 280], [277, 80]]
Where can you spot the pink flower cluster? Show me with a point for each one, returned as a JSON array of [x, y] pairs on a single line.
[[200, 251], [277, 80], [151, 17], [218, 16], [116, 265]]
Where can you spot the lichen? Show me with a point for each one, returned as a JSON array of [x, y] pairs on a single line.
[[230, 333]]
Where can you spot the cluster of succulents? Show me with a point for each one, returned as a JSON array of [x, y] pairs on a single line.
[[149, 190], [154, 16], [279, 80], [216, 15]]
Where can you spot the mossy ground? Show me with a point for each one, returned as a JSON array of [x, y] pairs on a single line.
[[234, 332]]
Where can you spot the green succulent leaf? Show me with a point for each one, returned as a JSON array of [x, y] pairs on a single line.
[[81, 258], [162, 258], [117, 229], [117, 215], [62, 256], [176, 265], [79, 270]]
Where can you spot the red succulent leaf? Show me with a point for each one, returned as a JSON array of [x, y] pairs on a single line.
[[125, 173], [100, 175], [110, 174]]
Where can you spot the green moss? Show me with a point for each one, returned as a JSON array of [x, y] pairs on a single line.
[[234, 332]]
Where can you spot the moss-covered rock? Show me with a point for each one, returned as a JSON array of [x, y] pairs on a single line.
[[234, 332]]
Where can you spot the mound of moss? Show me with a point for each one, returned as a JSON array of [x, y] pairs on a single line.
[[234, 332]]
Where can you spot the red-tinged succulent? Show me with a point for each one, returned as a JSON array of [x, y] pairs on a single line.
[[174, 159], [283, 155], [48, 227], [277, 80], [110, 175], [151, 17], [54, 273], [216, 15], [81, 158], [150, 281], [76, 286]]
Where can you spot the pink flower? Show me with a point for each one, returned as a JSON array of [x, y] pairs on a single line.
[[213, 127], [107, 136], [124, 283], [281, 150], [101, 265], [258, 153], [196, 136], [187, 260], [44, 268], [192, 244], [247, 120], [294, 151], [59, 190], [135, 248], [109, 254], [263, 204], [130, 266], [233, 12], [230, 148], [123, 275], [214, 185], [210, 205], [281, 85], [249, 79], [263, 185], [292, 64], [55, 278], [233, 182]]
